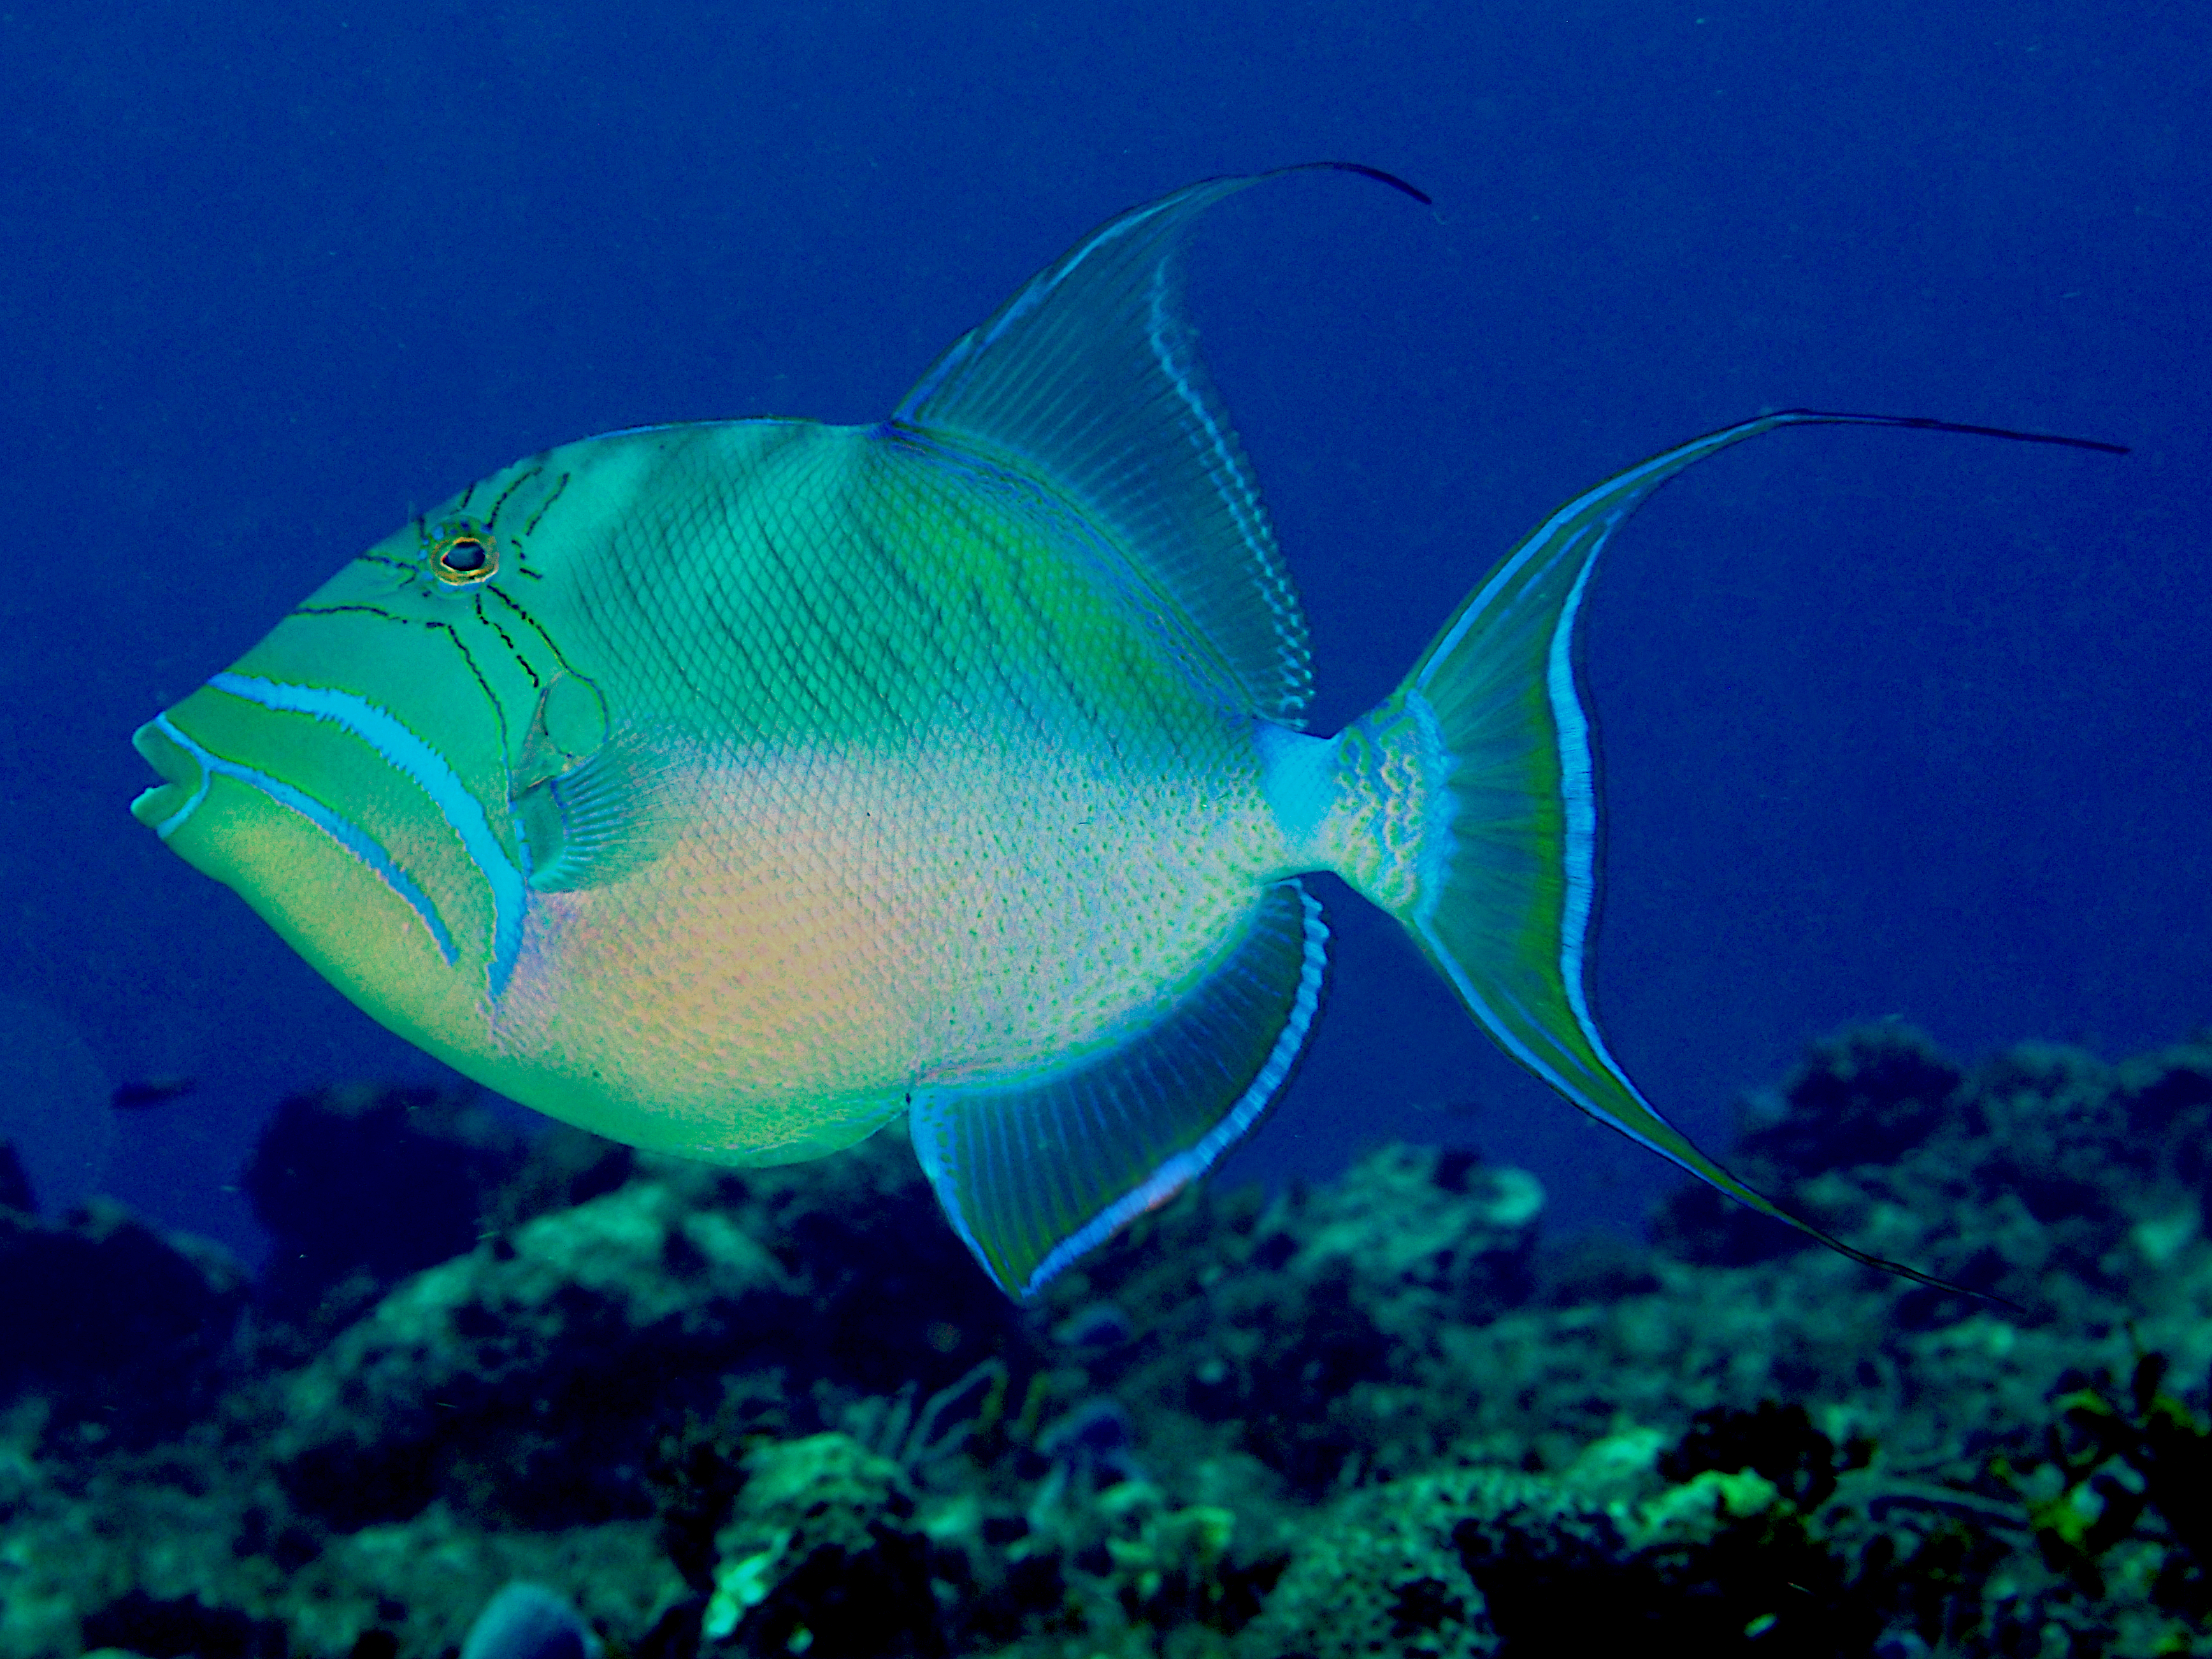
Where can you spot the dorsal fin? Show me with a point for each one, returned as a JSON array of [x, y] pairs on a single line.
[[1090, 375]]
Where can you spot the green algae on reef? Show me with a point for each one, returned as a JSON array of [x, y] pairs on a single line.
[[780, 1412]]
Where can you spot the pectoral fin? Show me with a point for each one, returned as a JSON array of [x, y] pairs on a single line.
[[581, 799]]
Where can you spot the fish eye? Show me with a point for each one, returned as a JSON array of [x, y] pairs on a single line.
[[463, 553]]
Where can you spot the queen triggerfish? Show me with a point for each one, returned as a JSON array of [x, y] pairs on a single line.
[[730, 788]]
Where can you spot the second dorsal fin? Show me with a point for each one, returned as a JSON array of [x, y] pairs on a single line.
[[1090, 375]]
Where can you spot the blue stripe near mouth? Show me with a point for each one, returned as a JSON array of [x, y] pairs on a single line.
[[344, 831], [404, 750]]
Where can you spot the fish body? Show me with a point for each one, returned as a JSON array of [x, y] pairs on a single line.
[[729, 789], [892, 785]]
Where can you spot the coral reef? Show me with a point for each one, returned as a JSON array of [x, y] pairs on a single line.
[[110, 1329], [780, 1413], [359, 1187]]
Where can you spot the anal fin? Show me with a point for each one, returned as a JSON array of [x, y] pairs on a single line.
[[1035, 1174]]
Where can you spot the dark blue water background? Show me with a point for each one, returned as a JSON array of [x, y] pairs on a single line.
[[1892, 724]]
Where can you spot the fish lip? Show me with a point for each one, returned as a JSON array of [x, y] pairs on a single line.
[[165, 806]]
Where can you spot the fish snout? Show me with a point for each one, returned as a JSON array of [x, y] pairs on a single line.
[[184, 777]]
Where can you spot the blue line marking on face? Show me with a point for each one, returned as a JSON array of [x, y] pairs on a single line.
[[436, 778], [347, 834]]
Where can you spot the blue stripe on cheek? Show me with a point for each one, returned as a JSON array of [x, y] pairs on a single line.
[[347, 834], [436, 778]]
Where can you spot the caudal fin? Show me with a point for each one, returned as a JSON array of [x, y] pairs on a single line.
[[1495, 868]]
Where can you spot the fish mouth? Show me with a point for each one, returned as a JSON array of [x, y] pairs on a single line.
[[183, 776]]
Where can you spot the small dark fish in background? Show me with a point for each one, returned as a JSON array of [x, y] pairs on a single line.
[[1097, 1325], [141, 1094], [1459, 1106]]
